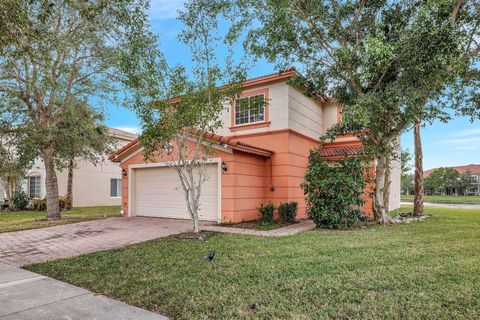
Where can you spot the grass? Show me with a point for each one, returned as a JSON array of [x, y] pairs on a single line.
[[427, 270], [447, 199], [22, 220]]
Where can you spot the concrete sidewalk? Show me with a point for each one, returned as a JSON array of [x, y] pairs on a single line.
[[472, 206], [26, 295]]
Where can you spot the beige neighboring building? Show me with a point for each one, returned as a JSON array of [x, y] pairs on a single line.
[[93, 185]]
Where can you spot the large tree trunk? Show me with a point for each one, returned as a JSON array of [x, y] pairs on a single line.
[[12, 183], [51, 183], [418, 200], [69, 204], [386, 188], [380, 213]]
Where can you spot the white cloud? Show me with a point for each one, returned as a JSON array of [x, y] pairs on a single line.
[[465, 140], [165, 9], [131, 129], [467, 147], [465, 133]]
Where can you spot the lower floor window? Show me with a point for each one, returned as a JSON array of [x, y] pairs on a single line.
[[34, 187], [115, 188]]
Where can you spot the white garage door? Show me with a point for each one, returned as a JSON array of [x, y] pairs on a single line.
[[158, 193]]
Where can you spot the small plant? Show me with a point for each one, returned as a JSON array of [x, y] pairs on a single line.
[[64, 203], [288, 211], [20, 199], [266, 212], [39, 204]]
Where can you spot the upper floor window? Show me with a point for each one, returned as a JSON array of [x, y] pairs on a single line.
[[473, 178], [115, 188], [250, 109], [34, 187]]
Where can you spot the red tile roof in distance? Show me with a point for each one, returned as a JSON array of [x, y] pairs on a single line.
[[472, 168]]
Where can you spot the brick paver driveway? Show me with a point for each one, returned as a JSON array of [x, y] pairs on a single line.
[[30, 246]]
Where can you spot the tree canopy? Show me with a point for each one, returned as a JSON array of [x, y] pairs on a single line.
[[57, 52], [385, 62]]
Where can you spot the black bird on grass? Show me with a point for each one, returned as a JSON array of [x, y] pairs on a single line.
[[210, 256]]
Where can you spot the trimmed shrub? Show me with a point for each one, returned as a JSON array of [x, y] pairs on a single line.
[[20, 199], [288, 211], [333, 193], [266, 212]]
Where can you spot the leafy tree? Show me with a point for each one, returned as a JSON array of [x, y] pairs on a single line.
[[83, 138], [384, 61], [405, 163], [61, 51], [463, 182], [407, 183], [12, 19], [180, 129], [463, 91], [16, 156], [439, 180]]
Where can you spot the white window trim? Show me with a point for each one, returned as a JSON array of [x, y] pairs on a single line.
[[248, 123], [35, 175]]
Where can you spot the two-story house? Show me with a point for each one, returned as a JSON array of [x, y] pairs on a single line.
[[93, 184], [261, 155]]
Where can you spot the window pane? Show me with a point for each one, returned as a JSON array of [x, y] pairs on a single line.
[[34, 187], [119, 187], [113, 187], [250, 109]]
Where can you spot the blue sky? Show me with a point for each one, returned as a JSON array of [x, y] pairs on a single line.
[[453, 143]]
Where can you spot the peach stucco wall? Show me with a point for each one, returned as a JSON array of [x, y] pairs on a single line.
[[243, 184], [251, 180], [288, 165]]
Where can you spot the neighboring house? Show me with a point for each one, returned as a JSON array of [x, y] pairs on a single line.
[[474, 172], [93, 185], [261, 155]]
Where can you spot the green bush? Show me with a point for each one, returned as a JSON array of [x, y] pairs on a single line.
[[20, 199], [288, 211], [333, 193], [266, 212]]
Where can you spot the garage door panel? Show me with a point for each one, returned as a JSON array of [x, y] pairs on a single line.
[[158, 193]]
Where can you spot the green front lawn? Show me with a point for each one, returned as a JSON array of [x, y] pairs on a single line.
[[427, 270], [446, 199], [22, 220]]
